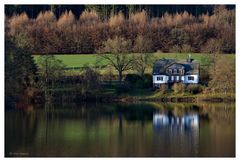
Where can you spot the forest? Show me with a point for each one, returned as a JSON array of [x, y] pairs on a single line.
[[61, 29]]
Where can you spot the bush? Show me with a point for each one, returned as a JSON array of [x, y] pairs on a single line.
[[163, 88], [179, 88], [90, 81], [136, 81], [147, 81], [124, 88], [194, 89], [132, 79]]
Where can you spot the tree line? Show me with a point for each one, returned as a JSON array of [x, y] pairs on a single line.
[[172, 32], [105, 11]]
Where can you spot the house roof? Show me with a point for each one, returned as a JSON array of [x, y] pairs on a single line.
[[190, 67]]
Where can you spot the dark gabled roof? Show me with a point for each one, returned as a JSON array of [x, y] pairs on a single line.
[[161, 65], [175, 66]]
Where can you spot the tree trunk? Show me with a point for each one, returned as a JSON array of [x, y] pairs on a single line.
[[142, 71], [120, 76]]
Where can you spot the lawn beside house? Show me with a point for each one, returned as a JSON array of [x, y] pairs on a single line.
[[76, 62], [80, 60]]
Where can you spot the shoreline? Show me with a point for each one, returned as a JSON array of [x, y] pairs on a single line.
[[172, 99], [103, 98]]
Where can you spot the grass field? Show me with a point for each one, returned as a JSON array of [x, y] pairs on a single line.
[[82, 60]]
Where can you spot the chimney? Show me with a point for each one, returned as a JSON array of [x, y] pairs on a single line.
[[189, 58]]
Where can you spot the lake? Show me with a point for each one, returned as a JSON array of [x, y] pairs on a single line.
[[121, 130]]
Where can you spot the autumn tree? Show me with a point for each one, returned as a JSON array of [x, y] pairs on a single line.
[[18, 30], [89, 17], [115, 52], [116, 24], [66, 26], [139, 21], [143, 59], [90, 32], [222, 75], [179, 38]]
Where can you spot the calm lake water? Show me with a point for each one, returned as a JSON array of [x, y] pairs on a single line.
[[113, 130]]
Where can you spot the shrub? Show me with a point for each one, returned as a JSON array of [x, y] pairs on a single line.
[[179, 88], [132, 79], [147, 81], [136, 81], [123, 88], [194, 88], [90, 81], [163, 88]]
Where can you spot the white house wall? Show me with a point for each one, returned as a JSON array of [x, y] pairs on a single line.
[[196, 79], [185, 80], [165, 79]]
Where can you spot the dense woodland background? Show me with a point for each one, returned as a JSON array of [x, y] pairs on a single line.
[[43, 29]]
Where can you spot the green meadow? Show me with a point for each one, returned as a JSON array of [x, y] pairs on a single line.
[[93, 60]]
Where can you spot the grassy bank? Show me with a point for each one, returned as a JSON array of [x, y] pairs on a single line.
[[150, 95]]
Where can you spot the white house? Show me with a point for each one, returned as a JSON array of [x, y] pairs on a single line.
[[167, 71]]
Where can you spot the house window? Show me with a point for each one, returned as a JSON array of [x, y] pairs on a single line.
[[190, 78], [159, 78], [175, 71], [181, 71], [170, 71]]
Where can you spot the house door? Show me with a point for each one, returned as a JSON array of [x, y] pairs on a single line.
[[175, 79]]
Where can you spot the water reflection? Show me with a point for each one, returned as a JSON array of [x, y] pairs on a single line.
[[187, 121], [122, 130], [182, 132]]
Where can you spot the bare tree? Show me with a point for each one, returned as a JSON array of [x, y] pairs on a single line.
[[143, 59], [115, 52]]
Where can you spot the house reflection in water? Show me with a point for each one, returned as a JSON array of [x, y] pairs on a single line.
[[186, 121], [179, 135]]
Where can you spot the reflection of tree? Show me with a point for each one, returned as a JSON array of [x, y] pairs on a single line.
[[179, 111], [219, 112], [120, 124], [20, 129]]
